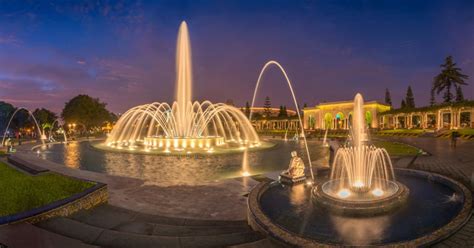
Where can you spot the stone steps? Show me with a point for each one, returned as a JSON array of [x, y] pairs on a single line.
[[110, 226], [25, 235], [262, 243]]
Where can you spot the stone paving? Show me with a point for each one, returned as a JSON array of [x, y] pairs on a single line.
[[457, 163]]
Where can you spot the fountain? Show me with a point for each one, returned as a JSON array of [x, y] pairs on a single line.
[[362, 178], [184, 127], [362, 201], [293, 95], [42, 136], [60, 128]]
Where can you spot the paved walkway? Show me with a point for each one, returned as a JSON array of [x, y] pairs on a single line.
[[457, 163]]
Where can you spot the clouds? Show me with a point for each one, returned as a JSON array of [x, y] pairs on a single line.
[[9, 39], [123, 51]]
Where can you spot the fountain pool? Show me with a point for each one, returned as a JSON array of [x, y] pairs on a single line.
[[362, 201], [189, 169]]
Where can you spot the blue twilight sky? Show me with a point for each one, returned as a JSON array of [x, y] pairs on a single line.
[[123, 51]]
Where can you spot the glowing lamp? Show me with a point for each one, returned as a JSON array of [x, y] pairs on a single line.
[[377, 192], [343, 193]]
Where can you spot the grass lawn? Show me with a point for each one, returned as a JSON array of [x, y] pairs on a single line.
[[20, 192], [402, 131], [397, 149], [465, 131]]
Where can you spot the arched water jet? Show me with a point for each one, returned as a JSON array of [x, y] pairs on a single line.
[[41, 135], [269, 63], [59, 125]]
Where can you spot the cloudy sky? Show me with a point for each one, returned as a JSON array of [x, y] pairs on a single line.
[[123, 51]]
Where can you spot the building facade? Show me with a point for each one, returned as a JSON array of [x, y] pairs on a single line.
[[451, 116], [338, 115]]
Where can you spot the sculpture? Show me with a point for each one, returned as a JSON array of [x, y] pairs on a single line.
[[295, 171]]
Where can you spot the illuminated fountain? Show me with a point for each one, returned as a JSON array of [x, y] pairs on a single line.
[[41, 135], [362, 178], [184, 126]]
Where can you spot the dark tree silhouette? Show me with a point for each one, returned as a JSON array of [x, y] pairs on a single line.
[[86, 110], [247, 109], [410, 98], [449, 77], [266, 107], [388, 97], [459, 94], [403, 104], [432, 98]]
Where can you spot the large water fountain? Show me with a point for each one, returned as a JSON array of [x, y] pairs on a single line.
[[362, 178], [362, 201], [184, 126]]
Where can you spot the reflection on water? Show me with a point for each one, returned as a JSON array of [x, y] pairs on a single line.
[[71, 154], [298, 195], [359, 231], [172, 170], [293, 209]]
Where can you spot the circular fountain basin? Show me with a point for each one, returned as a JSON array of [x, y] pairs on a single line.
[[435, 208], [171, 169], [375, 201], [184, 146]]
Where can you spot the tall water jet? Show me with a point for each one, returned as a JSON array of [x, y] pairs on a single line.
[[362, 176], [184, 126], [183, 77]]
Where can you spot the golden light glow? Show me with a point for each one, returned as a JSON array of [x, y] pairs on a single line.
[[377, 192], [344, 193], [358, 184]]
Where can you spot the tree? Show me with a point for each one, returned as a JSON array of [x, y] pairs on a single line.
[[388, 97], [410, 99], [266, 107], [282, 112], [403, 104], [6, 110], [45, 118], [450, 76], [459, 94], [87, 111], [247, 109], [432, 98]]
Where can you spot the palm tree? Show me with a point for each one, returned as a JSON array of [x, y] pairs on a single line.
[[449, 77]]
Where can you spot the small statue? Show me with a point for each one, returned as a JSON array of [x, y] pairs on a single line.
[[295, 172]]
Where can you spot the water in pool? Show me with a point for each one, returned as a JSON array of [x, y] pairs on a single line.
[[174, 170]]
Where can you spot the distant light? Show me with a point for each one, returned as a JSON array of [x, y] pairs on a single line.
[[344, 193], [309, 182], [245, 174]]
